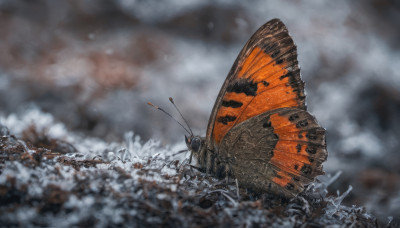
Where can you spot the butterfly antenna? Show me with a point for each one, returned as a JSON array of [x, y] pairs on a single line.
[[172, 101], [162, 110]]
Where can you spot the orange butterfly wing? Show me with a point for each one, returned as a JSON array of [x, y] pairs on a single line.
[[264, 77]]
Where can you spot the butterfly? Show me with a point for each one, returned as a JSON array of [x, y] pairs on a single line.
[[259, 131]]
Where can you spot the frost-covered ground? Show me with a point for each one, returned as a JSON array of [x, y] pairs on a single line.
[[85, 70], [88, 182]]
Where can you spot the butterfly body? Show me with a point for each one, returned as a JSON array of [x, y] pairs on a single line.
[[259, 131]]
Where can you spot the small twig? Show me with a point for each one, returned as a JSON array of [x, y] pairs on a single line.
[[97, 156], [237, 189], [226, 194], [230, 198]]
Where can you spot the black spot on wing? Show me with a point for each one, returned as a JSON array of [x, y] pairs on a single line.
[[294, 117], [265, 83], [295, 82], [315, 134], [298, 147], [276, 53], [289, 186], [302, 123], [279, 61], [269, 46], [226, 119], [311, 149], [306, 169], [232, 104], [245, 86], [267, 123]]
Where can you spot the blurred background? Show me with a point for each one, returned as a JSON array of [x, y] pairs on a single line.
[[94, 64]]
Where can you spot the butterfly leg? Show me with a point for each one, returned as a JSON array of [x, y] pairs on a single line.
[[190, 158], [190, 162], [210, 162], [195, 167], [228, 172], [207, 170]]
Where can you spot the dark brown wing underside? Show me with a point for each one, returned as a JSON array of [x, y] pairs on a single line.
[[278, 151]]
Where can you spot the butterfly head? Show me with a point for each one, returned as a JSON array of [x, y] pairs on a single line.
[[193, 143]]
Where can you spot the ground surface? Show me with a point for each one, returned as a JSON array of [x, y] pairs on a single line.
[[45, 182]]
